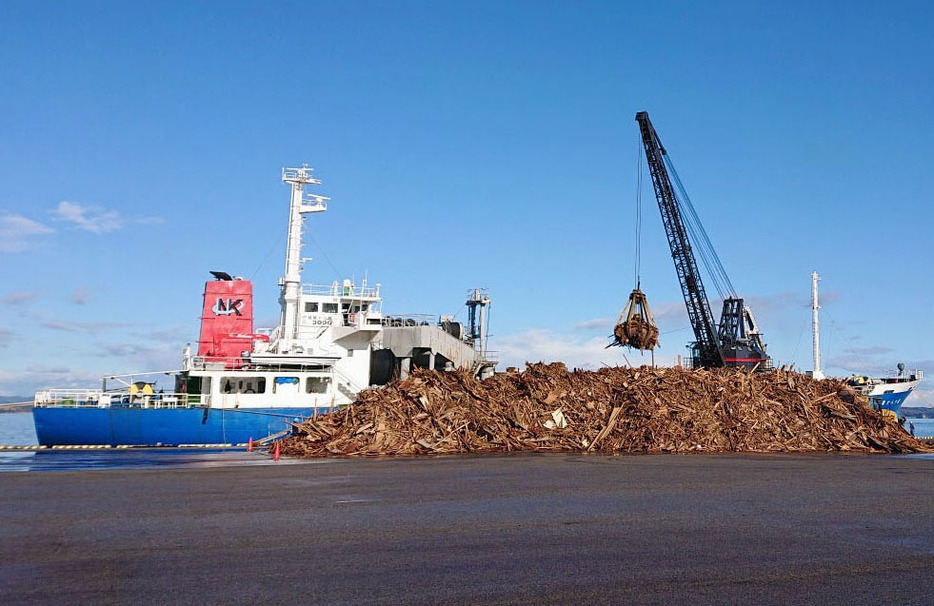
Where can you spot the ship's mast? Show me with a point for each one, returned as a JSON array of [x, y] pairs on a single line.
[[477, 304], [302, 203], [817, 374]]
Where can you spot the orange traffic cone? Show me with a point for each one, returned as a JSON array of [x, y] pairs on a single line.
[[249, 445], [275, 455]]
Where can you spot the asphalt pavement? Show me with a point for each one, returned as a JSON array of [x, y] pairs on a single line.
[[525, 529]]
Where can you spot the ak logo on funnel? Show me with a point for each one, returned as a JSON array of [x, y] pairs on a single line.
[[227, 307]]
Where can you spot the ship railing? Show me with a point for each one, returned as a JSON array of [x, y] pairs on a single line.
[[894, 376], [406, 320], [215, 363], [341, 290], [87, 398], [256, 366]]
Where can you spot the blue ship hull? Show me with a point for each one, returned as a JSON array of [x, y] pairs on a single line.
[[889, 401], [135, 426]]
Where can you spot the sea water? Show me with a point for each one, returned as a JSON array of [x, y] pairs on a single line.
[[924, 428], [17, 429]]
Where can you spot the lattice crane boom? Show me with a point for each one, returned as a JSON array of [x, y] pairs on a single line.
[[692, 287], [736, 340]]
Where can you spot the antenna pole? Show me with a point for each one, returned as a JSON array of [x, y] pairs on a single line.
[[817, 374], [290, 284]]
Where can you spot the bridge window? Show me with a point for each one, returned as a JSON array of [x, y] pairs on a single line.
[[311, 308], [193, 385], [330, 308], [243, 385], [317, 384]]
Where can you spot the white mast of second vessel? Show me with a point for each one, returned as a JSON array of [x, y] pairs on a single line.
[[817, 374], [290, 284]]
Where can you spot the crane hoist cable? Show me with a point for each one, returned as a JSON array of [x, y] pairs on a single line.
[[698, 235], [708, 254], [638, 258], [635, 326]]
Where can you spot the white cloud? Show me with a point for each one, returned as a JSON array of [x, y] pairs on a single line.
[[16, 231], [149, 357], [852, 364], [922, 395], [853, 361], [26, 382], [94, 220], [153, 350], [670, 316], [19, 297], [110, 358], [542, 345]]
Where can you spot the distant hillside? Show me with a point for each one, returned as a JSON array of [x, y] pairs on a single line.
[[15, 404], [917, 412], [6, 399]]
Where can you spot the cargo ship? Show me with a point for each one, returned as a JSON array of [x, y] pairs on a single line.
[[249, 384], [885, 394]]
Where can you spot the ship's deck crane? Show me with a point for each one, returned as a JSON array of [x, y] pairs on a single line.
[[736, 341]]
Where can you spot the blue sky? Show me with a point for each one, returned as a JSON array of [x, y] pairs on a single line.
[[489, 143]]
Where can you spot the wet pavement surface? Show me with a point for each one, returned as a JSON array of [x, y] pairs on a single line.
[[527, 529], [131, 458]]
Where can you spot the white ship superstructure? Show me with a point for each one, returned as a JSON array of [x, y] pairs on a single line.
[[332, 341], [326, 333]]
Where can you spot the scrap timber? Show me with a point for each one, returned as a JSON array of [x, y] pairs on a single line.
[[636, 325], [547, 408]]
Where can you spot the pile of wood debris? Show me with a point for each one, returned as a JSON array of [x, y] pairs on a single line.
[[546, 408]]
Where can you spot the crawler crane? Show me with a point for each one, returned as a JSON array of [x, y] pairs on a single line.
[[736, 340]]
